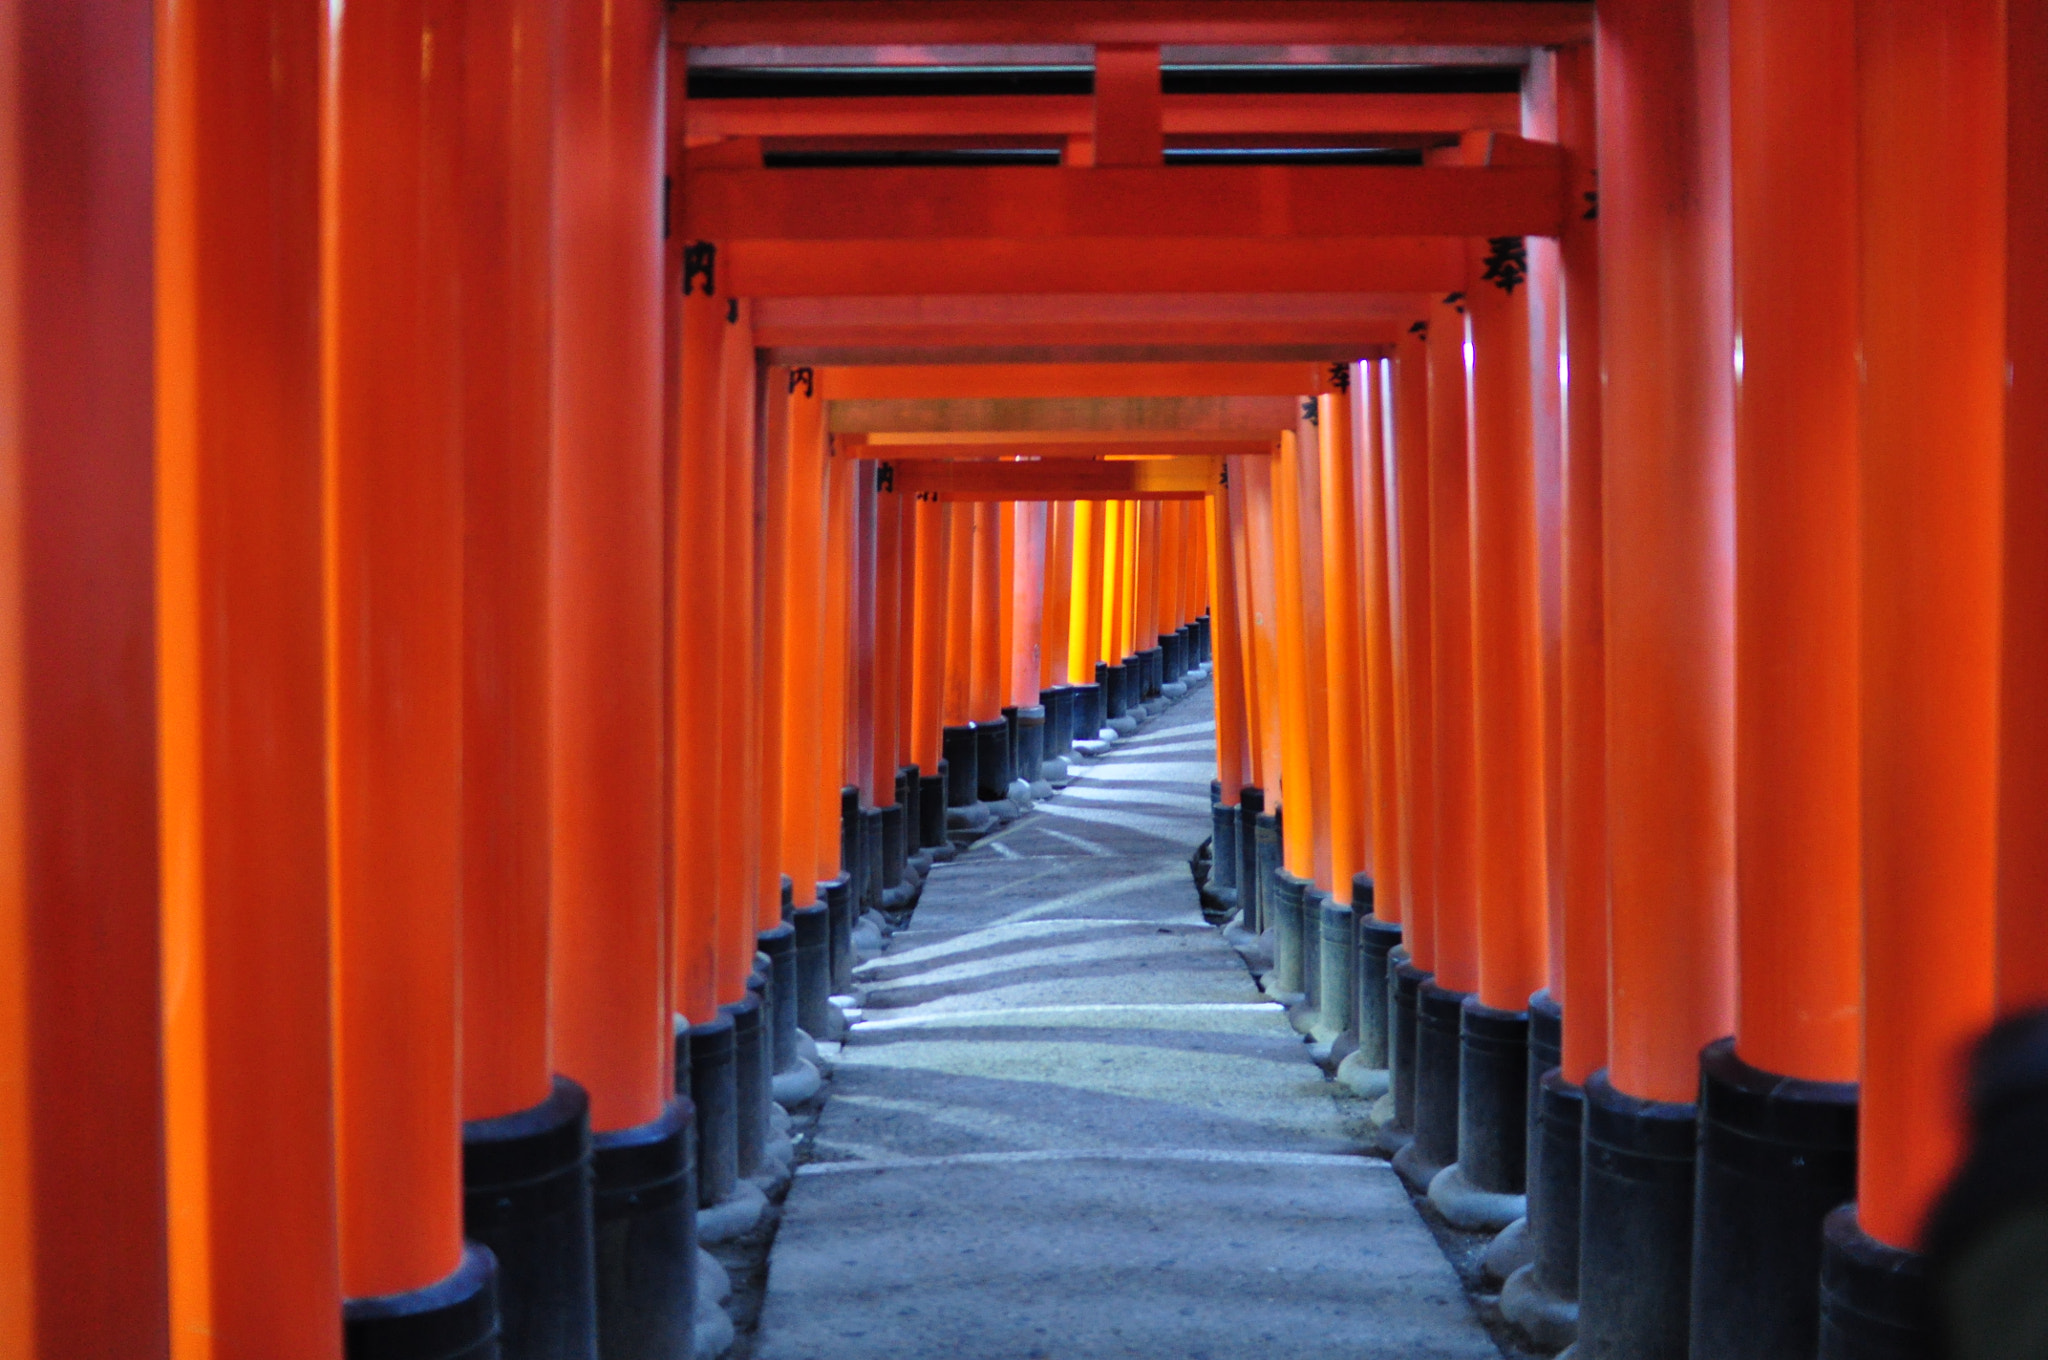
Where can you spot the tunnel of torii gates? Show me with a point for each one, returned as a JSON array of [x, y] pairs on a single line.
[[491, 555]]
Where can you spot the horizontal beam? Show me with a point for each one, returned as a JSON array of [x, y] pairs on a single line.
[[1058, 203], [912, 116], [980, 352], [856, 23], [1131, 264], [1072, 380], [856, 446], [1148, 479], [1257, 416]]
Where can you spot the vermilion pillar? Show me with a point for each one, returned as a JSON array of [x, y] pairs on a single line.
[[1512, 879], [1414, 666], [1059, 596], [693, 676], [803, 551], [1344, 649], [1084, 638], [613, 1017], [248, 1100], [738, 848], [1771, 1166], [1668, 354], [1932, 238], [1307, 511], [394, 621], [889, 532], [833, 664], [1297, 762], [928, 619], [1229, 669], [1029, 556]]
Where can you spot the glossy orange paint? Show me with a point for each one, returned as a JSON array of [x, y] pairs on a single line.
[[1262, 563], [1298, 788], [928, 619], [699, 536], [932, 381], [1236, 517], [803, 551], [1344, 650], [1084, 637], [831, 771], [1667, 350], [986, 662], [958, 690], [1797, 892], [1506, 660], [248, 1097], [1580, 984], [394, 629], [735, 862], [1057, 619], [1454, 909], [2023, 714], [1231, 748], [1411, 575], [1932, 221], [891, 523], [1375, 464], [1028, 556]]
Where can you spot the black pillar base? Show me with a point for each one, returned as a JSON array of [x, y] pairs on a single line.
[[1336, 1023], [779, 945], [1285, 902], [1376, 940], [850, 832], [992, 759], [1028, 731], [1151, 664], [1404, 984], [909, 790], [813, 926], [1059, 721], [1542, 1297], [1546, 1046], [1635, 1242], [837, 895], [1266, 876], [1090, 710], [893, 854], [646, 1229], [1493, 1098], [1439, 1018], [1010, 732], [867, 869], [1776, 1155], [454, 1318], [1171, 658], [1875, 1303], [1251, 801], [1204, 622], [961, 764], [526, 1195], [931, 809], [1116, 694], [750, 1108], [1222, 847], [705, 1063]]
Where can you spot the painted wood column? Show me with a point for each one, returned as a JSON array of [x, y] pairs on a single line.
[[804, 555]]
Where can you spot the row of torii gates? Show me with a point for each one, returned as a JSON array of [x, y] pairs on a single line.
[[489, 554]]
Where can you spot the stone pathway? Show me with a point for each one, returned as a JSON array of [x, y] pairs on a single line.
[[1068, 1127]]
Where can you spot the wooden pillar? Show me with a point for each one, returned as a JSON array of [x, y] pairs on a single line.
[[985, 661], [1668, 355], [1932, 144], [735, 870], [928, 616], [248, 1098], [885, 756], [1152, 562], [861, 763], [1297, 737], [1344, 653], [1231, 771], [1374, 464], [804, 553], [771, 595], [833, 662], [394, 617], [1059, 596], [958, 688], [1414, 658], [1455, 905], [1172, 570], [1262, 561], [1085, 636], [1027, 592]]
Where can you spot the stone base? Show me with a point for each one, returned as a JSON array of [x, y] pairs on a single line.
[[735, 1216], [1054, 770], [970, 817], [1465, 1205], [1548, 1320], [798, 1085], [1509, 1252], [1362, 1078], [1120, 727], [1021, 794]]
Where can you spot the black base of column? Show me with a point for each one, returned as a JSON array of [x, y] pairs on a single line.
[[454, 1318], [850, 833], [750, 1095], [1439, 1018], [1090, 710], [1376, 940], [931, 809], [1776, 1155], [1222, 848], [1405, 982], [867, 874], [1151, 666], [1336, 1024], [909, 788], [837, 895], [1546, 1046], [1172, 659], [1635, 1241], [960, 762], [1028, 737], [1312, 900], [1284, 904], [526, 1196], [1251, 801], [992, 759], [893, 851], [1493, 1098], [779, 945], [1204, 624], [1010, 731], [1116, 694], [813, 926], [1875, 1302], [646, 1219], [1542, 1298], [705, 1062], [1059, 721]]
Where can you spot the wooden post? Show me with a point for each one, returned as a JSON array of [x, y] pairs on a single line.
[[248, 1097], [1347, 755], [1455, 903], [1410, 569], [804, 556]]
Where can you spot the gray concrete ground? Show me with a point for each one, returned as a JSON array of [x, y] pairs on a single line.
[[1067, 1126]]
